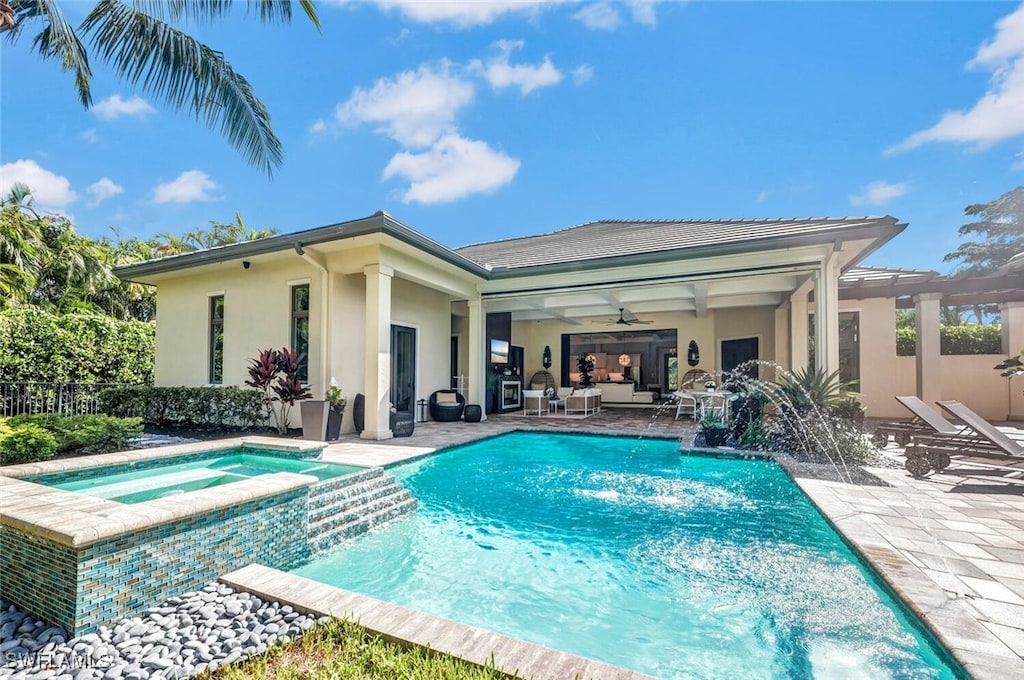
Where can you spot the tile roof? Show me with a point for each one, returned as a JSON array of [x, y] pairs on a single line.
[[617, 238]]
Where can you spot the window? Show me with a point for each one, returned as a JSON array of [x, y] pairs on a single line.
[[849, 349], [216, 375], [300, 328]]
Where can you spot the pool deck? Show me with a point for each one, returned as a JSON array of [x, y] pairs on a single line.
[[951, 545]]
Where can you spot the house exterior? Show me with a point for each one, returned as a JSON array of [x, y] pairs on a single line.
[[394, 315]]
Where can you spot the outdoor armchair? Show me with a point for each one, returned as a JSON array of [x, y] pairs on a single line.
[[446, 405]]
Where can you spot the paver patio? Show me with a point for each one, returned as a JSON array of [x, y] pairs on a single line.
[[951, 545]]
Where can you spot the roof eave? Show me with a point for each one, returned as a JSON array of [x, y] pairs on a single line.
[[882, 232], [378, 223]]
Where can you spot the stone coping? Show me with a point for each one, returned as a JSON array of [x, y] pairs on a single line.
[[159, 452], [79, 520], [409, 627]]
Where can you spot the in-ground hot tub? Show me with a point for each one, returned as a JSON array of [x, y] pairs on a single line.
[[80, 560]]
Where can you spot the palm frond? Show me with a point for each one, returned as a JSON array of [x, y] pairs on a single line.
[[57, 40], [186, 74]]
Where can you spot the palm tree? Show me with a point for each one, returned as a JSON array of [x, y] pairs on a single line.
[[20, 244], [140, 43]]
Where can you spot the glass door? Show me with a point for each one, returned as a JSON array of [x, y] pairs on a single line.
[[403, 367]]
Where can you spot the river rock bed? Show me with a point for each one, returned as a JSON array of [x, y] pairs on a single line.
[[198, 631]]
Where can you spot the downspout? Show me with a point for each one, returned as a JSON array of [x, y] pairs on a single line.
[[327, 286]]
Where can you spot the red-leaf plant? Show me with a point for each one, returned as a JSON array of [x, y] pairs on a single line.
[[280, 365]]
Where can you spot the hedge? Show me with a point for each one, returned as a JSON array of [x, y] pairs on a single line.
[[199, 407], [97, 433], [38, 346], [972, 339]]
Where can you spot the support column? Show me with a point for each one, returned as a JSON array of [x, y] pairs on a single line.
[[928, 358], [798, 334], [1012, 318], [477, 354], [826, 316], [782, 340], [377, 362]]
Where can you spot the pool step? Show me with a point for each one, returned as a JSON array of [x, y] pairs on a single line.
[[352, 505]]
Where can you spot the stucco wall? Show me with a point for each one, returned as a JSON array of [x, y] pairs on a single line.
[[257, 315], [969, 379]]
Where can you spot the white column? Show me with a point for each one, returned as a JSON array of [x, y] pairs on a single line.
[[377, 362], [782, 340], [928, 359], [798, 334], [826, 316], [477, 355]]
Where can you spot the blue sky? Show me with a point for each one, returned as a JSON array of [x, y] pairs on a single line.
[[477, 121]]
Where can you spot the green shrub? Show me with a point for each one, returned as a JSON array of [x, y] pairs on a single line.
[[86, 433], [200, 407], [26, 443], [955, 340], [39, 346]]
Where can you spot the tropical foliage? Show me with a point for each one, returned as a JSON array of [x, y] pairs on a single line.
[[996, 235], [274, 373], [41, 346], [215, 408], [141, 43], [967, 339], [44, 263]]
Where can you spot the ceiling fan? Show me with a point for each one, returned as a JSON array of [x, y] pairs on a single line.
[[623, 321]]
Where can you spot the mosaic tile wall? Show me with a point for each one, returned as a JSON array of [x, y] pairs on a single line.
[[117, 577]]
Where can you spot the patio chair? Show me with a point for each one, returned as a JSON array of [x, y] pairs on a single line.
[[585, 401], [446, 405], [694, 379], [926, 420], [536, 402], [979, 438], [686, 404]]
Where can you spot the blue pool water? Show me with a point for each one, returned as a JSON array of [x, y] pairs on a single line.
[[624, 551], [127, 484]]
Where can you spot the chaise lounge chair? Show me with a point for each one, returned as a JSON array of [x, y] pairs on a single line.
[[926, 420], [978, 438]]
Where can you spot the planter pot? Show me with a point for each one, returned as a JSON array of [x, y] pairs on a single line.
[[715, 436], [334, 418], [314, 419]]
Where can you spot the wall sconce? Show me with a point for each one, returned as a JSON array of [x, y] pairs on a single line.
[[246, 264], [624, 360]]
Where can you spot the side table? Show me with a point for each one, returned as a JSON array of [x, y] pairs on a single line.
[[472, 413]]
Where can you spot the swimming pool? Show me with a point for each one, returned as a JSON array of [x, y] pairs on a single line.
[[624, 551], [128, 484]]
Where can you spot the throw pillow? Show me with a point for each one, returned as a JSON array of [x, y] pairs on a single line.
[[446, 398]]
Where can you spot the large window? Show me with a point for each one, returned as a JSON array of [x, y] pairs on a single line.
[[300, 328], [216, 373], [849, 349]]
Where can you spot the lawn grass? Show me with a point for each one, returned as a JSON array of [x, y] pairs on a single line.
[[343, 650]]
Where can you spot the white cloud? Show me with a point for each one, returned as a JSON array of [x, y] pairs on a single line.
[[102, 189], [1018, 165], [582, 74], [114, 107], [188, 187], [49, 191], [451, 169], [501, 74], [415, 108], [643, 11], [599, 16], [463, 13], [762, 196], [89, 135], [999, 114], [318, 127], [879, 193]]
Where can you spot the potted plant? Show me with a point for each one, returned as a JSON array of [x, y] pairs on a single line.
[[337, 410], [585, 364], [714, 428]]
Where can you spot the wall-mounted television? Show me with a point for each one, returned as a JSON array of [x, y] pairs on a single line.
[[499, 351]]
